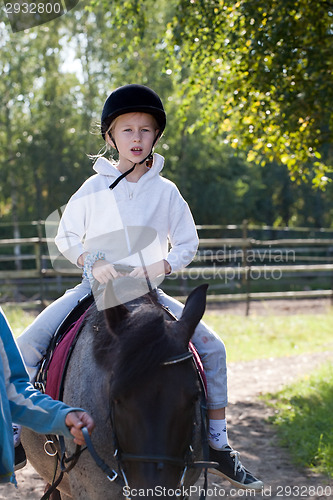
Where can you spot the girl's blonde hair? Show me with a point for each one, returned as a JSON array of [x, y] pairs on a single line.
[[107, 148]]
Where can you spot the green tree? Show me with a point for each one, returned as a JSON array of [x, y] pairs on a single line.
[[261, 73], [39, 122], [55, 78]]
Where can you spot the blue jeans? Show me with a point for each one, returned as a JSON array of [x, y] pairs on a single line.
[[35, 340]]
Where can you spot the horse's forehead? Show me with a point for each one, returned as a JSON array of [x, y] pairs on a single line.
[[166, 383]]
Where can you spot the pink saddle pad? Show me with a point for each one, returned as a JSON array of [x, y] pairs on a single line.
[[199, 366], [58, 360]]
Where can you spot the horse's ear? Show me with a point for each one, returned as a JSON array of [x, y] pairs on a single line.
[[114, 316], [194, 310]]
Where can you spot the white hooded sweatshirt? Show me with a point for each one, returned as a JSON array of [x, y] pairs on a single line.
[[148, 219]]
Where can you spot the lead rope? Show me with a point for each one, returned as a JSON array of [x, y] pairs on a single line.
[[111, 474], [204, 441], [72, 460]]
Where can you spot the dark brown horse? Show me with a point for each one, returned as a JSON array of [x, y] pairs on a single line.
[[133, 372]]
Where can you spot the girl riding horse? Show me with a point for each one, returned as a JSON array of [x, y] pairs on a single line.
[[125, 198]]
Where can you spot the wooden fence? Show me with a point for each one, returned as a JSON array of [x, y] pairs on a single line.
[[247, 263]]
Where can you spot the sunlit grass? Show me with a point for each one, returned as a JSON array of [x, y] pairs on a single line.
[[304, 410], [255, 337], [246, 338], [304, 419], [18, 318]]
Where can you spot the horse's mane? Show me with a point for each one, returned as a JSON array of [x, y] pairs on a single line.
[[140, 343]]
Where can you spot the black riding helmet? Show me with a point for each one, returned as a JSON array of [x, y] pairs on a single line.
[[129, 99]]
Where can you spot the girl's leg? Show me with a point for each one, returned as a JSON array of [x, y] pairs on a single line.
[[213, 356], [212, 353], [35, 339]]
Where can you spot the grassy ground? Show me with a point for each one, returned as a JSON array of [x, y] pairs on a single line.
[[18, 318], [303, 415], [304, 410], [248, 338]]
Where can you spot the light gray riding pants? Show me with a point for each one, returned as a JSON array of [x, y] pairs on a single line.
[[34, 341]]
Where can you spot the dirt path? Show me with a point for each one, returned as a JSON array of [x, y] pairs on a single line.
[[256, 439], [248, 432]]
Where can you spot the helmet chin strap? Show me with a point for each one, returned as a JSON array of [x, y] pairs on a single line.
[[121, 177], [116, 182]]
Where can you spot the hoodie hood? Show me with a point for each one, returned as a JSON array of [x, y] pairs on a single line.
[[104, 166]]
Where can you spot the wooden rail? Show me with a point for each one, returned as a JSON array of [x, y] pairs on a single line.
[[224, 259]]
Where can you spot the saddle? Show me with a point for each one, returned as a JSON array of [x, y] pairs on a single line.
[[51, 374], [53, 366]]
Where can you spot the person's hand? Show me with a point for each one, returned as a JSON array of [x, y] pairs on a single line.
[[153, 270], [75, 420], [103, 271]]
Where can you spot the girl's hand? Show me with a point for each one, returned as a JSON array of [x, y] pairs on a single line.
[[153, 270], [103, 271], [75, 420]]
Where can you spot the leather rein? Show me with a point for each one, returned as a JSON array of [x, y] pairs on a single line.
[[186, 462], [113, 476]]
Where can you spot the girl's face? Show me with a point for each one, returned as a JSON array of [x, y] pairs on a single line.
[[134, 134]]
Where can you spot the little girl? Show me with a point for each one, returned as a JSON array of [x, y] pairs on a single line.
[[127, 213]]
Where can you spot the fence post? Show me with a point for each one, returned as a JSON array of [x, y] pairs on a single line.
[[246, 277], [39, 263], [330, 252]]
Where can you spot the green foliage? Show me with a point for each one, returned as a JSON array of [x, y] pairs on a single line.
[[18, 319], [55, 78], [261, 75], [38, 140], [303, 416]]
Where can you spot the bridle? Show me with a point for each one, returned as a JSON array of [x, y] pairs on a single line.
[[186, 462], [160, 460], [120, 477]]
